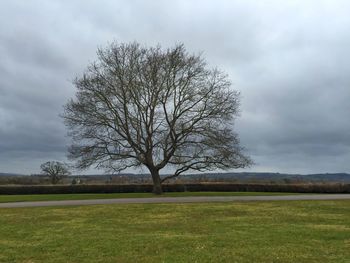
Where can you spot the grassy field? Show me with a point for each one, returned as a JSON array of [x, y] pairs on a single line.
[[55, 197], [279, 231]]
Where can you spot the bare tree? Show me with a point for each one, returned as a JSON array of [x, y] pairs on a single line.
[[55, 170], [148, 106]]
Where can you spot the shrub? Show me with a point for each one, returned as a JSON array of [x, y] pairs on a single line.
[[205, 187]]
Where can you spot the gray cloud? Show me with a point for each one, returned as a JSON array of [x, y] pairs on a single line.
[[289, 59]]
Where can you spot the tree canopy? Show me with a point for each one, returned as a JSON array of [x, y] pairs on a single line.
[[55, 170], [145, 106]]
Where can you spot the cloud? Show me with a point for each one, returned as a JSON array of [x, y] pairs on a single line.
[[289, 59]]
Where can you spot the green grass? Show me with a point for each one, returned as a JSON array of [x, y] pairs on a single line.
[[279, 231], [56, 197]]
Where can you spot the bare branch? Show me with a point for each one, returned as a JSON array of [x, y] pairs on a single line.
[[147, 106]]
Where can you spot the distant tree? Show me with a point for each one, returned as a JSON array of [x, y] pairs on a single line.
[[76, 181], [55, 170], [148, 106]]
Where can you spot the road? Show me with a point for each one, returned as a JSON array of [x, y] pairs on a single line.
[[189, 199]]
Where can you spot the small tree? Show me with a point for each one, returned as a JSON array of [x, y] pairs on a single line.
[[147, 106], [55, 170]]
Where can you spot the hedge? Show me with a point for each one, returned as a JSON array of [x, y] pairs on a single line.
[[205, 187]]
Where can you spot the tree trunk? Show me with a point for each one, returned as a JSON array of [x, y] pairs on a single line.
[[157, 187]]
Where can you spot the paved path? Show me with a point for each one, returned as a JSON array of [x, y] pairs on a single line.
[[189, 199]]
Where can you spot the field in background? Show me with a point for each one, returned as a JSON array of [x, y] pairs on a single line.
[[234, 178], [279, 231], [205, 182]]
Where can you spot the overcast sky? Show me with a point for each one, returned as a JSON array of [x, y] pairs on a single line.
[[289, 59]]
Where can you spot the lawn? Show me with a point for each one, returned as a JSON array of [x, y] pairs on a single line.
[[56, 197], [279, 231]]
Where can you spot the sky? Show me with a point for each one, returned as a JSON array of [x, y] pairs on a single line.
[[289, 59]]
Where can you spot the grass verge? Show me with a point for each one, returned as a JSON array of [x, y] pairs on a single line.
[[280, 231], [57, 197]]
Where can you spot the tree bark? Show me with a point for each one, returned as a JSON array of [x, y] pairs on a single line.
[[157, 187]]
